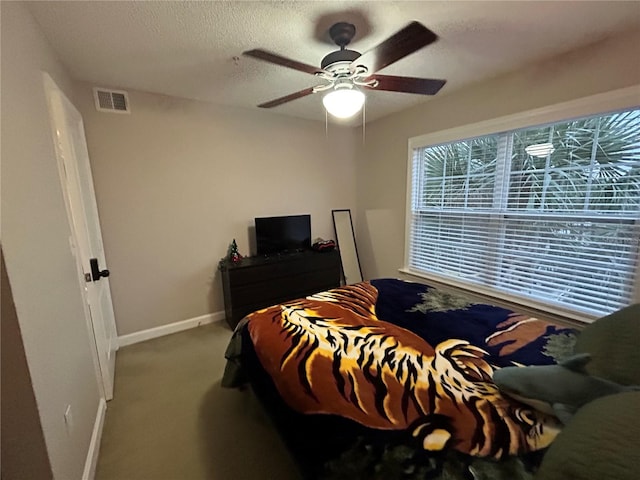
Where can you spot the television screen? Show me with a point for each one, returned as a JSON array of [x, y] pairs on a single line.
[[283, 234]]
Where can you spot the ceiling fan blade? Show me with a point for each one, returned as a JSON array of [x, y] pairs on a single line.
[[283, 61], [411, 38], [288, 98], [422, 86]]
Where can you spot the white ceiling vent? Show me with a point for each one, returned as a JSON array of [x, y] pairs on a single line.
[[114, 101]]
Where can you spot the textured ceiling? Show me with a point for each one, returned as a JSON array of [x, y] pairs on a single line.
[[194, 49]]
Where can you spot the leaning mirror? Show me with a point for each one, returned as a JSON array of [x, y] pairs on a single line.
[[346, 241]]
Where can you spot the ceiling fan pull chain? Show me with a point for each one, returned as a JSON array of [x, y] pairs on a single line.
[[364, 121], [326, 125]]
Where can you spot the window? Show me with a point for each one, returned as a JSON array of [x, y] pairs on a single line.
[[546, 215]]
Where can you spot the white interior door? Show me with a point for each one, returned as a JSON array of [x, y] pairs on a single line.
[[77, 185]]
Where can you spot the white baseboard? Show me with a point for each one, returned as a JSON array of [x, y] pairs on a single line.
[[163, 330], [94, 446]]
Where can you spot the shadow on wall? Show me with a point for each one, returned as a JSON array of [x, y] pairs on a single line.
[[215, 297], [381, 243], [253, 246], [24, 453], [368, 263]]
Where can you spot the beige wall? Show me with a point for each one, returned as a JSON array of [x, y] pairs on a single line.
[[382, 163], [177, 180], [35, 240], [24, 454]]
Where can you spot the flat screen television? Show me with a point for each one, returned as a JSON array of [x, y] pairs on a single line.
[[287, 234]]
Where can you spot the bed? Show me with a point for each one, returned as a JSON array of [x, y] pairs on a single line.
[[389, 379]]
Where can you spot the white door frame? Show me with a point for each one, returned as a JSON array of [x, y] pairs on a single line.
[[86, 238]]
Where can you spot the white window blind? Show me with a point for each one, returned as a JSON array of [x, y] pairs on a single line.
[[548, 213]]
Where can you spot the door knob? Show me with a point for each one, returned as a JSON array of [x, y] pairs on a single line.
[[96, 273]]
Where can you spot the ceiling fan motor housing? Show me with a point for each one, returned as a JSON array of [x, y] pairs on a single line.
[[339, 56]]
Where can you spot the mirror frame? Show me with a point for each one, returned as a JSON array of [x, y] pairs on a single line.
[[346, 242]]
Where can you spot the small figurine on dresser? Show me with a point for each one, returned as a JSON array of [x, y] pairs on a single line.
[[233, 255]]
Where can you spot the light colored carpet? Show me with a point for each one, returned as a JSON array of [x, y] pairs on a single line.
[[171, 420]]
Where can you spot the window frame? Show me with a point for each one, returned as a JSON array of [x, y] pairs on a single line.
[[616, 100]]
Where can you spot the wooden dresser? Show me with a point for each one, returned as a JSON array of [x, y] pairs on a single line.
[[259, 282]]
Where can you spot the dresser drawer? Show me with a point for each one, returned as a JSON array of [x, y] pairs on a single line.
[[258, 283], [277, 287], [276, 270]]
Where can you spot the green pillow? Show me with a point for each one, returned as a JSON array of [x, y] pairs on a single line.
[[600, 443], [614, 344]]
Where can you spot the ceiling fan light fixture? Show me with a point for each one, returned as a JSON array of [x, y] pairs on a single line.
[[540, 150], [344, 101]]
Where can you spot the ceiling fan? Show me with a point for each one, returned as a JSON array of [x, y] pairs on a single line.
[[345, 70]]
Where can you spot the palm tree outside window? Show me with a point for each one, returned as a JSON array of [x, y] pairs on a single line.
[[549, 213]]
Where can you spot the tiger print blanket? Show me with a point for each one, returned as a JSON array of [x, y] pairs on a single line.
[[402, 356]]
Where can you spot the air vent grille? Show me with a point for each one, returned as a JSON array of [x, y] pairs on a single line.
[[114, 101]]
